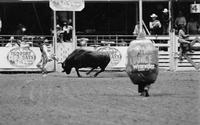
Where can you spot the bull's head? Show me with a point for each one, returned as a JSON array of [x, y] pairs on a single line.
[[66, 67]]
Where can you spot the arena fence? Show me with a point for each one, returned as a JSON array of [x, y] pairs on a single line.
[[25, 58], [118, 44], [168, 50]]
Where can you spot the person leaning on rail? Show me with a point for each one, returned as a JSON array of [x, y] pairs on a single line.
[[183, 40], [12, 42], [180, 20]]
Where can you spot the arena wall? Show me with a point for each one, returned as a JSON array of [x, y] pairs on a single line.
[[25, 59]]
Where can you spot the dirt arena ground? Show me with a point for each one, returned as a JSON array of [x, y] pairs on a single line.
[[109, 99]]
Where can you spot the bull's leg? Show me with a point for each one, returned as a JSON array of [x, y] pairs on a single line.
[[77, 71], [140, 88], [90, 71], [95, 75]]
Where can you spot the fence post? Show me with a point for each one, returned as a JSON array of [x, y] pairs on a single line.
[[173, 52], [176, 52]]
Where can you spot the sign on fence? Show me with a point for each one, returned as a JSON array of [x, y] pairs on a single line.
[[195, 8], [66, 5], [114, 54], [21, 57]]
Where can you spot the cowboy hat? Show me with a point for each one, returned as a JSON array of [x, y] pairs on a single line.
[[165, 10], [46, 41], [153, 15]]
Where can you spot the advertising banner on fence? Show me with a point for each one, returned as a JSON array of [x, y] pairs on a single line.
[[114, 53], [21, 58], [66, 5]]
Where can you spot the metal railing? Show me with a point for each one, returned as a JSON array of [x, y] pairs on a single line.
[[33, 39], [112, 40], [122, 40]]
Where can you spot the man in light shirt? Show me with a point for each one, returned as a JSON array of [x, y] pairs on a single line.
[[155, 25]]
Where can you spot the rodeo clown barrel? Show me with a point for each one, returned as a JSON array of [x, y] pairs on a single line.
[[142, 61]]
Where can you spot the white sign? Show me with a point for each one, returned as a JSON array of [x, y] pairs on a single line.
[[21, 57], [114, 54], [66, 5], [195, 8]]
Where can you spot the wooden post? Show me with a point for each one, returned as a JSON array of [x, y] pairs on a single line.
[[54, 38], [173, 41], [74, 40], [140, 15], [171, 48], [175, 51], [137, 13], [172, 51], [170, 16]]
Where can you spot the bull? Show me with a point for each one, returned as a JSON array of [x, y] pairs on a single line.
[[81, 58]]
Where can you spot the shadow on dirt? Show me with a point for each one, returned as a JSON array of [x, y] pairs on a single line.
[[163, 94], [107, 75], [112, 95]]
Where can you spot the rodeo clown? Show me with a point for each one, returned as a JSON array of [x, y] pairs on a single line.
[[142, 63], [46, 56]]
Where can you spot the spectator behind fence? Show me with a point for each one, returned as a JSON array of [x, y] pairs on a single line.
[[137, 29], [67, 31], [12, 42], [165, 21], [155, 25], [193, 27], [21, 30], [180, 20]]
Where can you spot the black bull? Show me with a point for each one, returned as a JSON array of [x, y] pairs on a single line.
[[80, 58]]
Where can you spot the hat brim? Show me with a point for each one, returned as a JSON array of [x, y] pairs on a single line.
[[165, 11], [153, 15]]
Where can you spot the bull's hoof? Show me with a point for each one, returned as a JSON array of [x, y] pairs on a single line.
[[145, 93]]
